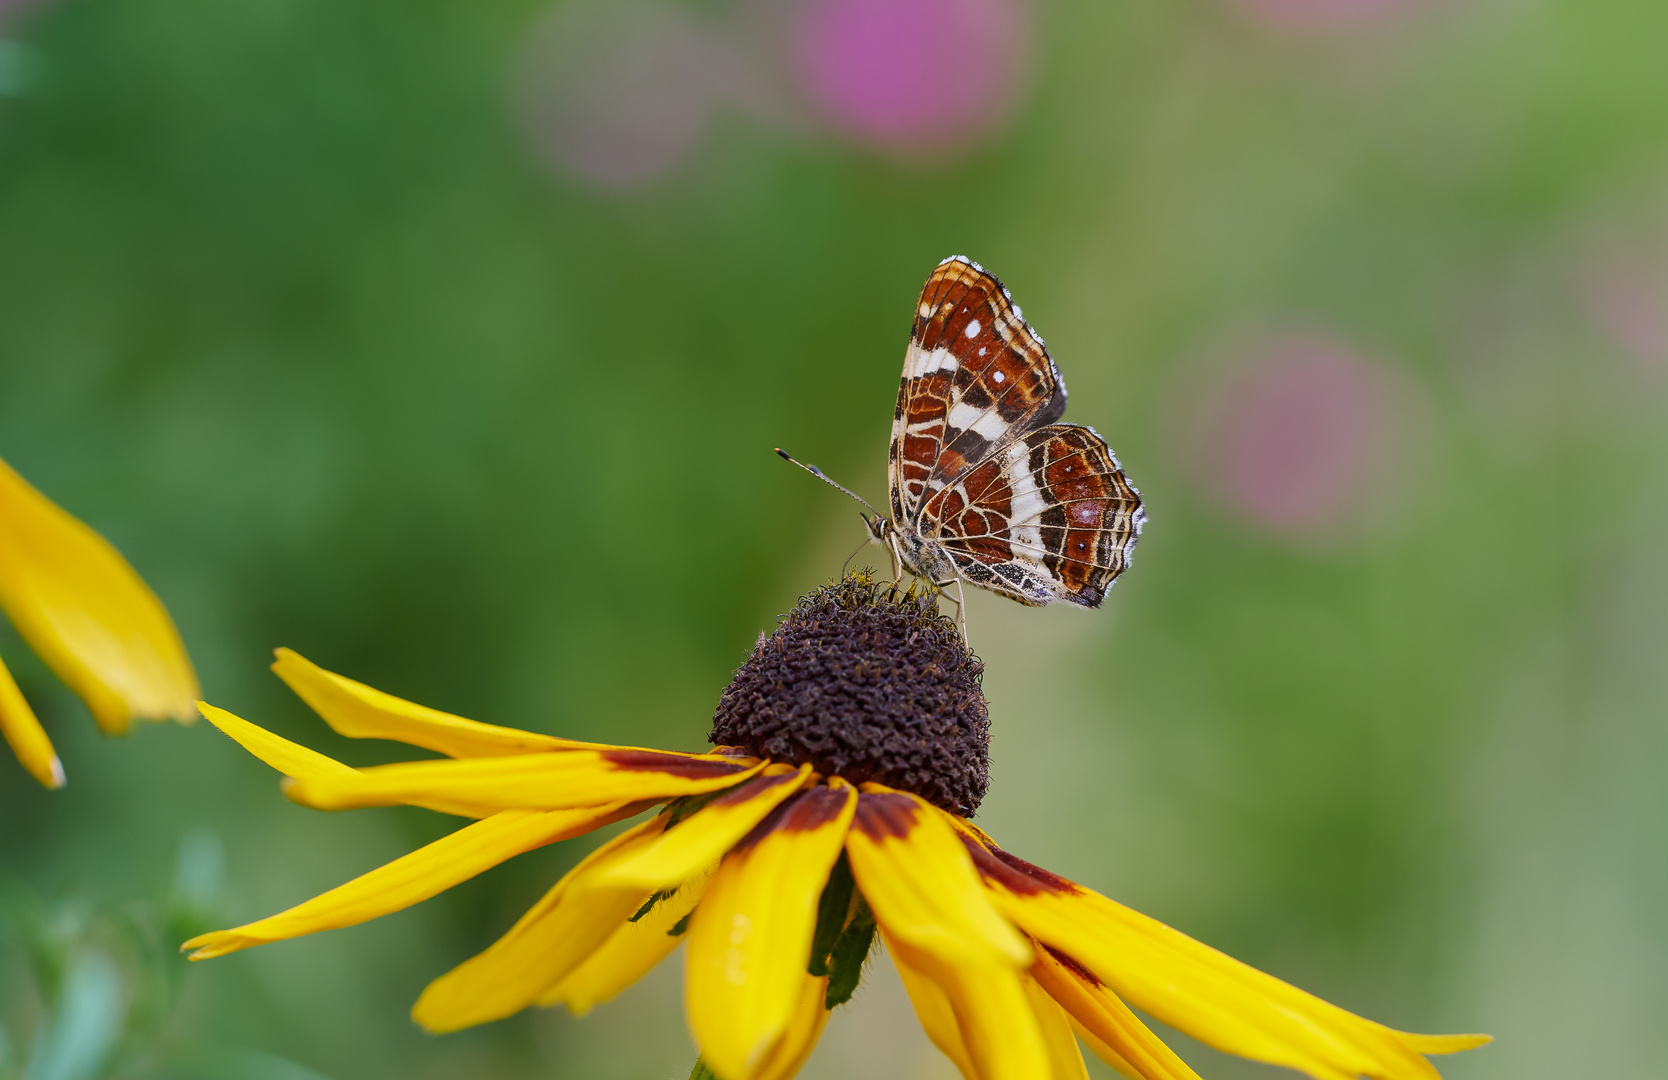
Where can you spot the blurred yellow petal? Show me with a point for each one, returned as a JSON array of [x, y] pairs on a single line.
[[1442, 1044], [700, 840], [557, 780], [291, 759], [85, 612], [630, 951], [997, 1035], [360, 712], [570, 922], [1112, 1031], [1065, 1060], [750, 938], [918, 878], [24, 734], [932, 1008], [299, 763], [1196, 989], [799, 1038], [415, 877]]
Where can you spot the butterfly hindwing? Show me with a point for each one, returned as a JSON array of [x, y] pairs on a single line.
[[1050, 517], [975, 377]]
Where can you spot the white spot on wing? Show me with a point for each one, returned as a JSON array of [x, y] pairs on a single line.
[[997, 376], [987, 424], [973, 328]]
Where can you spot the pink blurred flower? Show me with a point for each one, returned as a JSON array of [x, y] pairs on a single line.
[[909, 72], [1298, 436], [616, 95], [1628, 299]]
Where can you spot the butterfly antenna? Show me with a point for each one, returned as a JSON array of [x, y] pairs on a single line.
[[816, 472]]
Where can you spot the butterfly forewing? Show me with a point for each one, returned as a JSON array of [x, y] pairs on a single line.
[[981, 476], [975, 375]]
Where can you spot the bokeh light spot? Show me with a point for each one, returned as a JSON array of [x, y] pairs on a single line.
[[1296, 436], [616, 96], [1629, 301], [909, 72]]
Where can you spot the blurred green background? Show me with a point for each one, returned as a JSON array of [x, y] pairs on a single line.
[[446, 343]]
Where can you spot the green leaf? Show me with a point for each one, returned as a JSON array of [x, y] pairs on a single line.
[[845, 961], [92, 1006], [833, 909]]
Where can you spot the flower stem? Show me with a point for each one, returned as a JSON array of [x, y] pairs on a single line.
[[701, 1072]]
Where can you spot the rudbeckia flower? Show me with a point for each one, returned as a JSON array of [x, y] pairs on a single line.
[[851, 752], [83, 610]]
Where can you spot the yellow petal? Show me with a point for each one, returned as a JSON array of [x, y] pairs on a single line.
[[916, 875], [415, 877], [750, 938], [630, 951], [360, 712], [998, 1037], [1194, 988], [290, 758], [309, 767], [1443, 1044], [932, 1008], [24, 734], [799, 1038], [569, 923], [543, 781], [1112, 1031], [1065, 1060], [85, 612], [299, 763], [702, 839]]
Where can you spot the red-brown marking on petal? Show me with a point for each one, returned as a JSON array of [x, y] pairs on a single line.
[[885, 814], [1073, 966], [799, 813], [671, 764], [753, 788], [814, 809], [1013, 873]]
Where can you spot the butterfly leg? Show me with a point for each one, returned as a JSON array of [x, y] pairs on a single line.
[[845, 567], [960, 601]]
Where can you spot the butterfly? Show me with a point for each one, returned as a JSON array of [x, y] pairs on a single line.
[[985, 485]]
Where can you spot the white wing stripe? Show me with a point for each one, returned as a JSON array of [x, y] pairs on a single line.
[[919, 362]]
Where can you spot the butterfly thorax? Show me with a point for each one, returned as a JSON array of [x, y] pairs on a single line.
[[921, 556]]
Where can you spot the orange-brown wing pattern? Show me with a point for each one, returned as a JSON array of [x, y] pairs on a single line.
[[1049, 517], [975, 378]]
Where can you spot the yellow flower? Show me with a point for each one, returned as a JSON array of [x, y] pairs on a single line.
[[83, 610], [842, 812]]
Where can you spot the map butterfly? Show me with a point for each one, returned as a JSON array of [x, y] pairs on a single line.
[[985, 484]]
